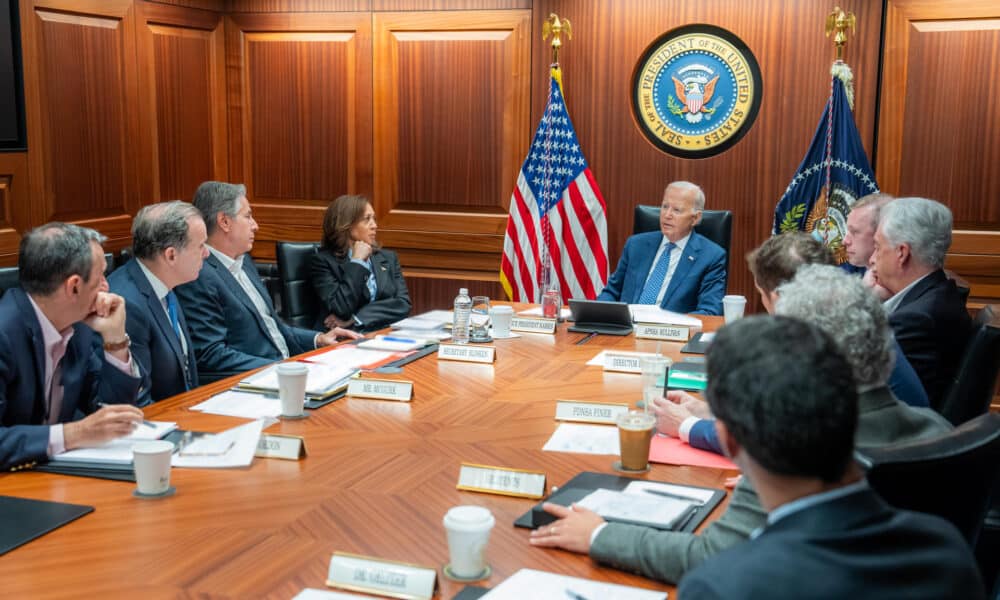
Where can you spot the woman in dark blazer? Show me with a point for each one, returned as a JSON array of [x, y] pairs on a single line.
[[359, 285]]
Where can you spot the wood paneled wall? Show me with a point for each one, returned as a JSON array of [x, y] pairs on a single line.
[[428, 107]]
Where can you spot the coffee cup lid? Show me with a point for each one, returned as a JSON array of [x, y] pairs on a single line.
[[468, 518], [153, 447], [292, 368]]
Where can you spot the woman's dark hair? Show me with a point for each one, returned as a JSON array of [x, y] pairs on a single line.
[[342, 214]]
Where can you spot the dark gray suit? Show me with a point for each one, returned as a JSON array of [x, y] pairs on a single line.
[[228, 332], [855, 546], [341, 286], [667, 555]]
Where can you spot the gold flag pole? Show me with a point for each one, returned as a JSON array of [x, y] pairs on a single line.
[[555, 26], [838, 22]]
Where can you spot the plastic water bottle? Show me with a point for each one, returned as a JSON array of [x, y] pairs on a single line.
[[460, 326]]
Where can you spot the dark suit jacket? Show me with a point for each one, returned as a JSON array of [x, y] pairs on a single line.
[[229, 334], [855, 546], [341, 286], [154, 344], [697, 285], [86, 378], [933, 328]]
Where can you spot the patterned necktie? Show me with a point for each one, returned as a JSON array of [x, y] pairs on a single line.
[[172, 312], [372, 288], [655, 279]]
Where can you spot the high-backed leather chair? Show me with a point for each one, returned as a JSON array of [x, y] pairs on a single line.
[[299, 306], [8, 279], [952, 476], [975, 381], [716, 225], [960, 284]]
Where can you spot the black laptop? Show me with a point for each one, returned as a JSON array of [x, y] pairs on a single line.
[[595, 316]]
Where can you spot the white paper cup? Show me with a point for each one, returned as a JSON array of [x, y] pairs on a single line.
[[151, 461], [502, 316], [468, 529], [733, 307], [292, 388]]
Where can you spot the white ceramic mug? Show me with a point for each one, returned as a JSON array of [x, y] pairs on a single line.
[[502, 317], [468, 529], [733, 307], [292, 378], [151, 461]]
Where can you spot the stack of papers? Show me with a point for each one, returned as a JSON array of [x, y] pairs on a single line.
[[323, 380], [393, 343], [247, 405], [352, 356], [650, 313], [638, 508], [119, 451], [435, 319], [529, 584], [584, 439], [231, 448]]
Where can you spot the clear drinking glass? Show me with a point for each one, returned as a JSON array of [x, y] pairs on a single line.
[[479, 320]]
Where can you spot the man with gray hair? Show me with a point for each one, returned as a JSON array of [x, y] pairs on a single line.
[[674, 268], [925, 310], [168, 245], [234, 326], [63, 350]]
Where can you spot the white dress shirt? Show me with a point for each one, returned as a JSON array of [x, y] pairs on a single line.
[[675, 258], [235, 267]]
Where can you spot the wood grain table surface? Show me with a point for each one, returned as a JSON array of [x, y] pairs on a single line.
[[378, 479]]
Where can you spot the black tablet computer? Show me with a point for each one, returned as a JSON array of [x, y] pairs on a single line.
[[596, 316]]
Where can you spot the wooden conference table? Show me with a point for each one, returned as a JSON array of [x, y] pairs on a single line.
[[378, 479]]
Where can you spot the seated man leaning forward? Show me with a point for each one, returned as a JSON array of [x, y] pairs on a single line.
[[827, 535], [882, 421], [233, 324], [674, 268], [63, 350]]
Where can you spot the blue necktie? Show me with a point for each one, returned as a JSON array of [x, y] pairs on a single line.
[[655, 279], [172, 312]]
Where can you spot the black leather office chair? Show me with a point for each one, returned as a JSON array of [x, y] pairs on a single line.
[[109, 263], [960, 284], [8, 279], [716, 225], [300, 306], [952, 476], [975, 381]]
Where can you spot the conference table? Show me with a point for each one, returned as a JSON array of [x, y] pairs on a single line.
[[378, 478]]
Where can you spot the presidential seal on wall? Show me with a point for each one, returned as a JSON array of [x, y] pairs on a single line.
[[696, 91]]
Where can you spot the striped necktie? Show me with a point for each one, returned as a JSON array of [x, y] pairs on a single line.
[[655, 280]]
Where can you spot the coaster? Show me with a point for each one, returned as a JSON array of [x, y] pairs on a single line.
[[293, 417], [387, 370], [485, 340], [509, 336], [484, 575], [617, 466], [170, 491]]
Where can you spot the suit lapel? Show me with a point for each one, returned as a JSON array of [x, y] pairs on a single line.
[[383, 277], [930, 281], [37, 350], [156, 309], [236, 290], [688, 258], [647, 252], [251, 272]]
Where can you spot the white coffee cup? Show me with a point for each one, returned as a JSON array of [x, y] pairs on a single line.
[[733, 307], [502, 316], [468, 529], [151, 461], [292, 378]]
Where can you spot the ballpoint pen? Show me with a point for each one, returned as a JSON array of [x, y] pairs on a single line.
[[574, 595], [144, 421], [690, 499]]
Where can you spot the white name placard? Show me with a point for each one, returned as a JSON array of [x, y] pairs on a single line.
[[287, 447], [500, 480], [670, 333], [533, 325], [589, 412], [467, 353], [381, 389], [381, 577], [626, 363]]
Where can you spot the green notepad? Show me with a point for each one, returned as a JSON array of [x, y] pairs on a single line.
[[687, 376]]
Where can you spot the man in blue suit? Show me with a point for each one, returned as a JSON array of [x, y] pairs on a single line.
[[64, 352], [234, 326], [674, 268], [168, 244], [827, 534]]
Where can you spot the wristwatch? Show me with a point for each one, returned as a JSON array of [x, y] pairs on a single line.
[[116, 346]]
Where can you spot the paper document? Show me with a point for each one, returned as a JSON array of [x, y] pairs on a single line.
[[393, 343], [119, 451], [433, 319], [322, 380], [695, 495], [231, 448], [353, 357], [428, 334], [650, 313], [529, 584], [638, 507], [585, 439], [248, 405]]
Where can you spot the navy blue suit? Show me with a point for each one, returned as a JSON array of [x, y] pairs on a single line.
[[229, 334], [697, 285], [86, 379], [342, 288], [855, 546], [154, 343]]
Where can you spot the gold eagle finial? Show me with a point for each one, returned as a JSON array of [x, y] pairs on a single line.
[[838, 22], [555, 27]]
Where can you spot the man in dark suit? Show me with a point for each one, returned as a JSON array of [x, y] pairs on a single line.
[[674, 268], [828, 535], [234, 326], [926, 312], [53, 369], [168, 245]]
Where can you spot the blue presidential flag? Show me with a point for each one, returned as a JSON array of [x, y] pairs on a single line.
[[833, 175]]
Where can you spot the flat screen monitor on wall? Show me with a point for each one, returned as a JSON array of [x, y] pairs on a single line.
[[12, 134]]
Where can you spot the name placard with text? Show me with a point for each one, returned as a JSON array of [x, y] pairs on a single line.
[[533, 324], [625, 363], [670, 333], [500, 480], [275, 445], [589, 412], [381, 389], [380, 577], [467, 353]]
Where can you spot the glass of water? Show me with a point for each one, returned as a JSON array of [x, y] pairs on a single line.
[[479, 320]]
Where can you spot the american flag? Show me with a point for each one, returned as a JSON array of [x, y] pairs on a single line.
[[557, 230]]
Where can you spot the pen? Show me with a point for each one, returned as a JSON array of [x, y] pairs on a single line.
[[144, 421], [676, 496], [389, 338], [586, 338], [575, 595]]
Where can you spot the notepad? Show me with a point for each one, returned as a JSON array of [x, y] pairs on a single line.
[[119, 451], [322, 380]]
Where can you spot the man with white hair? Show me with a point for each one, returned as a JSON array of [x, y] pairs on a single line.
[[674, 268], [925, 310]]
